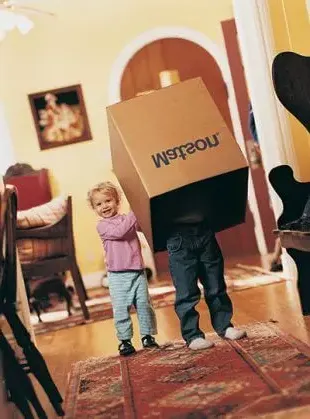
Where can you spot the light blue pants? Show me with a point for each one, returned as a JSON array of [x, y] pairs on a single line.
[[130, 289]]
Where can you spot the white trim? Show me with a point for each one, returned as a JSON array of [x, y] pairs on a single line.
[[212, 48], [156, 34], [257, 50], [286, 133], [257, 69], [252, 199], [93, 280]]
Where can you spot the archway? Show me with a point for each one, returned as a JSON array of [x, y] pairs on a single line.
[[219, 61]]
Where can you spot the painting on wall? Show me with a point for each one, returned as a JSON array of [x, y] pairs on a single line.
[[60, 117]]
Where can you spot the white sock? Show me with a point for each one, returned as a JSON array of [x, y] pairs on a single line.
[[233, 333], [200, 343]]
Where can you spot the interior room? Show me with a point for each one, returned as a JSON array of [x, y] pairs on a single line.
[[96, 92]]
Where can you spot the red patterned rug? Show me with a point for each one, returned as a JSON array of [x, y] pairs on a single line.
[[237, 278], [265, 375]]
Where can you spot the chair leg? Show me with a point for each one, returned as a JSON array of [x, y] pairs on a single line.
[[80, 288], [35, 360], [18, 384], [76, 267]]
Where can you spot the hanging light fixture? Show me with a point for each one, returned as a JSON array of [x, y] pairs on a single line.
[[10, 20], [23, 24]]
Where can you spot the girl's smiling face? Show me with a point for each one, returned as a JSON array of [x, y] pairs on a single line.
[[104, 204]]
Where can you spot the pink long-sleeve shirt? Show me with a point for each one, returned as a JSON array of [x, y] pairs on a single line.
[[121, 242]]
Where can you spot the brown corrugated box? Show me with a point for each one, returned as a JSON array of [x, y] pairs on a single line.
[[170, 148]]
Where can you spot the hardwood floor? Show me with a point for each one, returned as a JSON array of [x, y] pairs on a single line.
[[278, 302]]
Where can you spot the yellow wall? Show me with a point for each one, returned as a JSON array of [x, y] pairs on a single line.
[[291, 27], [79, 46]]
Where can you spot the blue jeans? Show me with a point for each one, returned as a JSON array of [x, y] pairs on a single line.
[[194, 253]]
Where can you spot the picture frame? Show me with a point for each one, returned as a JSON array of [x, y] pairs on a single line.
[[60, 116]]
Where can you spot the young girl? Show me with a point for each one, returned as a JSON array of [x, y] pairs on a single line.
[[126, 275]]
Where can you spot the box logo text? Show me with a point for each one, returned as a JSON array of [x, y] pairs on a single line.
[[182, 151]]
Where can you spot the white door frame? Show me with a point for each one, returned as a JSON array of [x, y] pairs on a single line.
[[257, 49], [114, 93]]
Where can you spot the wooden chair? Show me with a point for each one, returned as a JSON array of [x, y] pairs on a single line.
[[19, 387], [33, 189], [62, 229]]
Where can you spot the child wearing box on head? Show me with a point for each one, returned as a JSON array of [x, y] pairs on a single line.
[[127, 279]]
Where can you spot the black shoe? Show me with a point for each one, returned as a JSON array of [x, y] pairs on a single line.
[[125, 348], [293, 225], [149, 342]]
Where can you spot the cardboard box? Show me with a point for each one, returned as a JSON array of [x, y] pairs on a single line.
[[171, 149]]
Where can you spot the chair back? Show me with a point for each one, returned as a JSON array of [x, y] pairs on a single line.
[[33, 188]]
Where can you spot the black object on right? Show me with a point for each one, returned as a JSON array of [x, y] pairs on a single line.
[[291, 79]]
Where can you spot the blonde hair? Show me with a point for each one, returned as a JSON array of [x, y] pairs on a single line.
[[107, 187]]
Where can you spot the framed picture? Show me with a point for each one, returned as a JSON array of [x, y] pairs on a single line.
[[60, 117]]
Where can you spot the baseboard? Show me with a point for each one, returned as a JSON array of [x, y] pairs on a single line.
[[92, 280]]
